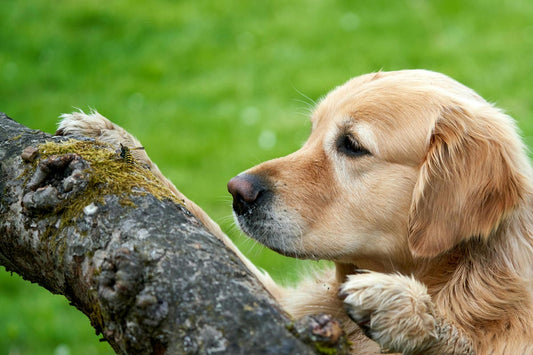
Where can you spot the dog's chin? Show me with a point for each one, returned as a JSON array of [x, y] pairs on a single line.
[[273, 233]]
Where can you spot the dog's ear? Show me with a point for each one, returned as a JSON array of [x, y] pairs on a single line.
[[469, 180]]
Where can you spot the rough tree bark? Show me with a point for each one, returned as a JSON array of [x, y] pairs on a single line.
[[147, 273]]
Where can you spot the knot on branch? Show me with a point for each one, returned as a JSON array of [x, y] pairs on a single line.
[[324, 332], [56, 178], [120, 284], [122, 289], [120, 279]]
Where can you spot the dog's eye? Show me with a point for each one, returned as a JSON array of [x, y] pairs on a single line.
[[348, 145]]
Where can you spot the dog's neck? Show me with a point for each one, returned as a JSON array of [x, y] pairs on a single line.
[[402, 264], [343, 269]]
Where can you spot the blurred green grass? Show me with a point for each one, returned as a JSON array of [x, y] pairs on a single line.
[[214, 87]]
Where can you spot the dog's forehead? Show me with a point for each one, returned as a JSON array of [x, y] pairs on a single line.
[[383, 92], [392, 92]]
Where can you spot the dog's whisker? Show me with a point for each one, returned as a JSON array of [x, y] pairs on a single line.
[[309, 101]]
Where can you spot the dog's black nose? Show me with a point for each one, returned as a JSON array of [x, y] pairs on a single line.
[[246, 190]]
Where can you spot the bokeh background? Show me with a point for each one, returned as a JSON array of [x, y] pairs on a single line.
[[214, 87]]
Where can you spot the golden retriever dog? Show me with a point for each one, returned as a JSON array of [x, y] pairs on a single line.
[[419, 191]]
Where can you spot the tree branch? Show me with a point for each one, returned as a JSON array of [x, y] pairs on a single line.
[[139, 265]]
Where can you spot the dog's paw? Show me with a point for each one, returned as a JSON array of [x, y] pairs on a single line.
[[91, 124], [96, 126], [393, 310]]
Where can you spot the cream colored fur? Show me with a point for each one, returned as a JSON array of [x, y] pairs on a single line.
[[439, 213]]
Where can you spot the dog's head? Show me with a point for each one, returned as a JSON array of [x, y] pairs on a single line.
[[398, 164]]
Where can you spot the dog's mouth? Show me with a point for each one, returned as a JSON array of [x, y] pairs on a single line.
[[262, 225]]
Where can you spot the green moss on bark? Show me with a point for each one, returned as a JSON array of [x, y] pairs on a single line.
[[108, 174]]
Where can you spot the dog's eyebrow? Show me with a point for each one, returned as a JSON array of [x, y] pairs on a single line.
[[364, 134]]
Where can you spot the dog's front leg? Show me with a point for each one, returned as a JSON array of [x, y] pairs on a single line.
[[397, 312]]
